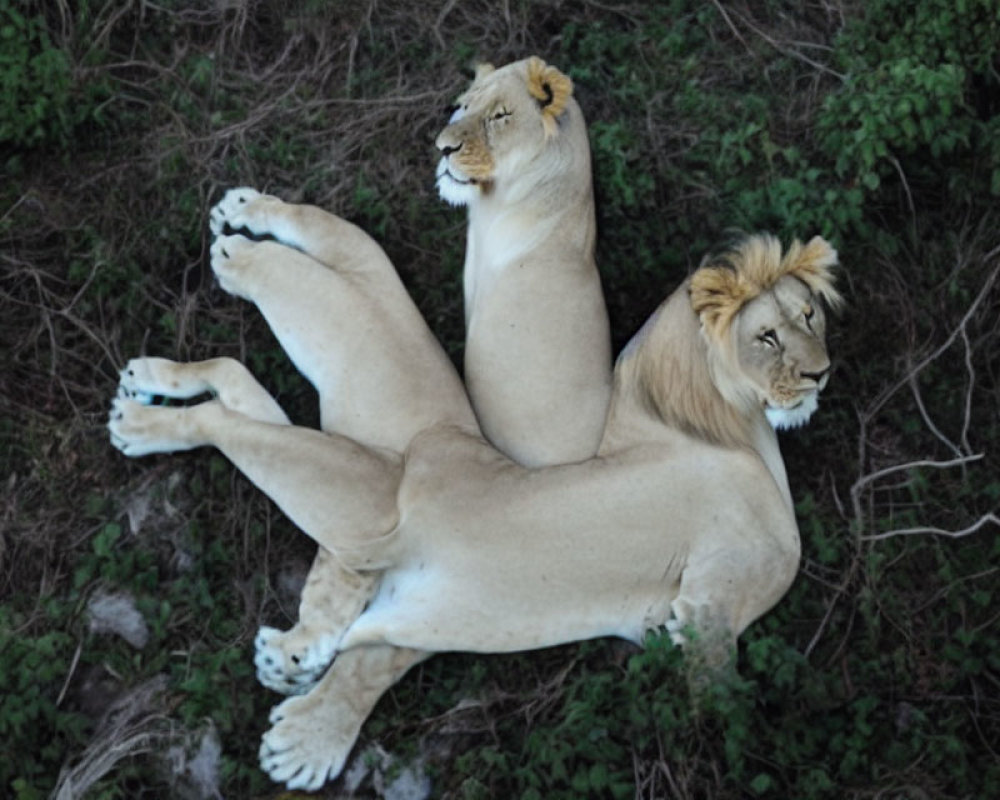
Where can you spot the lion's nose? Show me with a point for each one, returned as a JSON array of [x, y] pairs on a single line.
[[447, 149], [817, 376]]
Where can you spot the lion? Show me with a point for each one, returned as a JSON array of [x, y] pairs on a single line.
[[683, 520], [516, 154]]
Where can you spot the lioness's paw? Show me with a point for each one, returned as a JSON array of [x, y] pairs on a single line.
[[144, 379], [231, 210], [138, 429], [304, 747], [291, 662], [229, 256]]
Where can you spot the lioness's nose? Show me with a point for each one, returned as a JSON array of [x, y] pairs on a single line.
[[448, 149]]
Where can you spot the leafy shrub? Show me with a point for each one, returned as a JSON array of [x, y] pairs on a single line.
[[919, 80], [41, 100]]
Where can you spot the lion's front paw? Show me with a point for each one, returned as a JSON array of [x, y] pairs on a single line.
[[231, 210], [308, 742], [291, 662]]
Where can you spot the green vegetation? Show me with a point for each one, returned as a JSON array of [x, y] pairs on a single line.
[[875, 124]]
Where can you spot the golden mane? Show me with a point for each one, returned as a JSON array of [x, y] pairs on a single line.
[[675, 371], [725, 283], [666, 368]]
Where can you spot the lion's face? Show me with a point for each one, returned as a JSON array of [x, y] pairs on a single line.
[[781, 351], [500, 124], [762, 317]]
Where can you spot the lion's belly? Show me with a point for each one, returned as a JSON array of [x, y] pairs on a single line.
[[439, 610], [500, 557]]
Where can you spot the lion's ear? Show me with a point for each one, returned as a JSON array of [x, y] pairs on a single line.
[[551, 88], [813, 263], [717, 294]]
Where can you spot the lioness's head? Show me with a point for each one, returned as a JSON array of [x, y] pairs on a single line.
[[500, 124], [763, 319]]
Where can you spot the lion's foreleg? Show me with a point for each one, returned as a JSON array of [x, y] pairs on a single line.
[[291, 662], [311, 736], [339, 492]]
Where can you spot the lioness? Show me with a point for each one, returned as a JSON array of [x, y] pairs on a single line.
[[538, 348], [537, 352]]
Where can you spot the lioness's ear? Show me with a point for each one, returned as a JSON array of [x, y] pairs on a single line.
[[551, 88], [484, 69], [813, 263], [717, 294]]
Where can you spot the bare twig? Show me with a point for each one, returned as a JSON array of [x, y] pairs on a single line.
[[986, 519], [866, 480], [732, 27], [779, 46], [889, 392]]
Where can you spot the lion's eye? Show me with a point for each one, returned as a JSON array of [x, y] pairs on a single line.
[[770, 338], [501, 114]]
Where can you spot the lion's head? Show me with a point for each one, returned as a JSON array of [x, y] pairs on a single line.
[[505, 119], [753, 346], [762, 315]]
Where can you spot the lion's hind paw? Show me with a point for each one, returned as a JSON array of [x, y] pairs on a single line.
[[303, 749], [291, 662], [138, 429]]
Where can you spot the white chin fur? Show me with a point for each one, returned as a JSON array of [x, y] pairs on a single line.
[[784, 418], [454, 191]]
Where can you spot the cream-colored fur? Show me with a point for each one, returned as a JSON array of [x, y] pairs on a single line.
[[682, 519], [537, 352]]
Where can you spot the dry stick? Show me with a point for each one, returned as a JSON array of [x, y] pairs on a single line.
[[788, 51], [968, 392], [867, 480], [983, 520], [887, 394], [918, 398], [732, 27], [445, 11]]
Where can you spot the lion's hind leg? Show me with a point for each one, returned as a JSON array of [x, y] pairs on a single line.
[[145, 379], [311, 736], [325, 237], [291, 662]]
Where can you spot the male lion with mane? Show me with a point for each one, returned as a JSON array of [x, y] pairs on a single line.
[[682, 520]]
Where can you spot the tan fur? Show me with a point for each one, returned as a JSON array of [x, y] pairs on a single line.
[[671, 524], [537, 357]]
